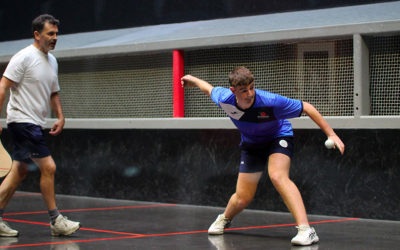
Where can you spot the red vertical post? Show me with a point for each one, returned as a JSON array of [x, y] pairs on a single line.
[[178, 94]]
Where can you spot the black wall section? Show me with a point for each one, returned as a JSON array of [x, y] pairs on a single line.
[[200, 167], [91, 15]]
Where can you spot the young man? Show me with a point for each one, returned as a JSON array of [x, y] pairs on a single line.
[[266, 136], [31, 75]]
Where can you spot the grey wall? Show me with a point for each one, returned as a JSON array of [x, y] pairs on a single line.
[[200, 167]]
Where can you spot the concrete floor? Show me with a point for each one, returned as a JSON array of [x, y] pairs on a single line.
[[122, 224]]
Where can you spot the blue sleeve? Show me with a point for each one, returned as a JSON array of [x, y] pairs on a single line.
[[218, 94], [286, 108]]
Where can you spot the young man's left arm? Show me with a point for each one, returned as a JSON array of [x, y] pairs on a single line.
[[314, 114], [55, 104]]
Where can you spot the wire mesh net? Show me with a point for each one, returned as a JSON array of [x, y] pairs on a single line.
[[137, 86], [319, 72], [384, 75]]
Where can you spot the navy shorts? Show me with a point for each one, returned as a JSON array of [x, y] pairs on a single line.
[[28, 141], [254, 157]]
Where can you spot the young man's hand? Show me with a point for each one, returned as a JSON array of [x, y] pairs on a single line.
[[188, 81]]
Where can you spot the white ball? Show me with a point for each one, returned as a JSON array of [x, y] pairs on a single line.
[[329, 144]]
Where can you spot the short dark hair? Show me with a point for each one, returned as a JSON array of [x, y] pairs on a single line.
[[38, 22], [240, 76]]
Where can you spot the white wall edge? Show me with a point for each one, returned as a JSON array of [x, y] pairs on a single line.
[[363, 122]]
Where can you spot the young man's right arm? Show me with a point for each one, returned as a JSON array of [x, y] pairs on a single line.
[[5, 85], [191, 81]]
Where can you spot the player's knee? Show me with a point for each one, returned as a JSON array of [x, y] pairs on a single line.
[[278, 179], [49, 169], [243, 202]]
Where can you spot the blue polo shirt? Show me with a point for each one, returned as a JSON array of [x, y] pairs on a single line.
[[265, 119]]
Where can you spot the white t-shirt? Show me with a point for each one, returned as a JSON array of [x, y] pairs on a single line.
[[35, 75]]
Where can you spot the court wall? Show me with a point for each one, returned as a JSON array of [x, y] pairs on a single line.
[[121, 140]]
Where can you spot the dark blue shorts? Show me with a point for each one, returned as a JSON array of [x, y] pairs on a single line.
[[254, 157], [28, 141]]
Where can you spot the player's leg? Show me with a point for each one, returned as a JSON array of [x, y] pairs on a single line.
[[245, 190], [47, 168], [252, 165], [278, 170], [59, 225], [34, 143], [20, 156], [18, 173], [7, 189]]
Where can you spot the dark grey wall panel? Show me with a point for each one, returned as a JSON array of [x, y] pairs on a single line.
[[200, 167]]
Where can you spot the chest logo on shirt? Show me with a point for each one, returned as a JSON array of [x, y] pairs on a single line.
[[263, 115], [259, 114]]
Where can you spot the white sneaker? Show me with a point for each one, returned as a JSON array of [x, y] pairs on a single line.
[[63, 226], [219, 225], [6, 230], [305, 236]]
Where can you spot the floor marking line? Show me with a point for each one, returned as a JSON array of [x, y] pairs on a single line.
[[155, 235], [291, 224], [70, 241], [338, 220], [93, 209], [82, 228], [28, 222], [255, 227], [108, 231]]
